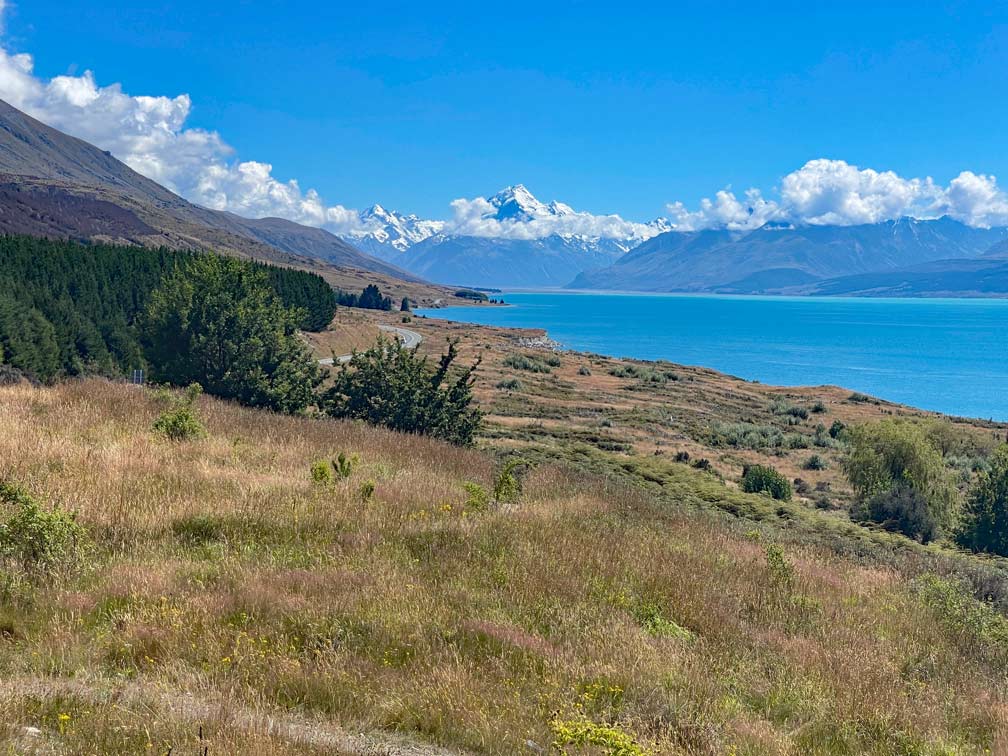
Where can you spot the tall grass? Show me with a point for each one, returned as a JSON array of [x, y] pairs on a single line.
[[585, 609]]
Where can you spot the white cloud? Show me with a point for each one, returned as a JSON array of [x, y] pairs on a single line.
[[833, 192], [476, 217], [149, 135]]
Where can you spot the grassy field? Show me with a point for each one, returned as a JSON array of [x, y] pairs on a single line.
[[224, 600]]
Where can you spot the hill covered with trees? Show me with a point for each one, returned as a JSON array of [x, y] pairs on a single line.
[[71, 309]]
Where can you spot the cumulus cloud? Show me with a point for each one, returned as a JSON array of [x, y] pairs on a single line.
[[478, 217], [834, 192], [149, 134]]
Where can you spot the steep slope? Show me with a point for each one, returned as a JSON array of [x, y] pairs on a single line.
[[776, 256], [53, 184]]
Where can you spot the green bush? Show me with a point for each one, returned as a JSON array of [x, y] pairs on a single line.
[[507, 485], [527, 363], [762, 479], [39, 541], [343, 466], [367, 490], [584, 370], [478, 499], [510, 384], [180, 422], [985, 517], [393, 386], [836, 429], [321, 472], [900, 479], [815, 462]]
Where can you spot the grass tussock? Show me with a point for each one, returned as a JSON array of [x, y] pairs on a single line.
[[570, 610]]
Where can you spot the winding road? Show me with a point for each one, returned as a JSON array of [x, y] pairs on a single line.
[[410, 339]]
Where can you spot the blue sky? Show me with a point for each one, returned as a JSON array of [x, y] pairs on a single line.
[[608, 107]]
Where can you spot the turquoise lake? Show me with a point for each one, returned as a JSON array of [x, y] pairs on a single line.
[[947, 355]]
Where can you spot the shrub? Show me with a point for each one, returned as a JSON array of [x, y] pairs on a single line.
[[343, 466], [985, 516], [801, 486], [782, 407], [836, 429], [858, 398], [781, 571], [762, 479], [508, 485], [527, 363], [819, 407], [702, 463], [583, 732], [584, 370], [321, 473], [644, 373], [40, 541], [510, 384], [815, 462], [682, 456], [478, 499], [392, 386], [367, 490], [180, 422], [900, 479]]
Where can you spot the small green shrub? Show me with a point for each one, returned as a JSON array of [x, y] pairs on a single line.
[[507, 485], [781, 571], [584, 370], [367, 490], [39, 541], [180, 422], [836, 429], [510, 384], [528, 363], [321, 473], [583, 732], [819, 407], [762, 479], [343, 466], [479, 499], [815, 462], [783, 407]]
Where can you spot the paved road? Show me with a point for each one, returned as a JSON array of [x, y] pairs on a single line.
[[410, 339]]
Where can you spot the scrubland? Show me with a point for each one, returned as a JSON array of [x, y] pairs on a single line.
[[222, 599]]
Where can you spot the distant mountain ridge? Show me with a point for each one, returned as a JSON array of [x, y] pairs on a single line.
[[777, 257], [513, 256], [53, 184]]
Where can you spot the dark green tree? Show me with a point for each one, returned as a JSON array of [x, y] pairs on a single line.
[[985, 515], [405, 306], [216, 322], [392, 386]]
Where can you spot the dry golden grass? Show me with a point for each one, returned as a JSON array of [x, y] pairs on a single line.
[[226, 590]]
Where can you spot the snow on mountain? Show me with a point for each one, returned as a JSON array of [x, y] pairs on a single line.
[[385, 233]]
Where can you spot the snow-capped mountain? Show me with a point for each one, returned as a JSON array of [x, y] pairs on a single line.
[[386, 233], [510, 238]]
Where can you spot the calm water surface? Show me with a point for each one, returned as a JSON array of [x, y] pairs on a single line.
[[948, 355]]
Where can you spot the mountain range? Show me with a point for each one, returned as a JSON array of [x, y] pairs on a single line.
[[784, 258], [517, 257], [52, 184]]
